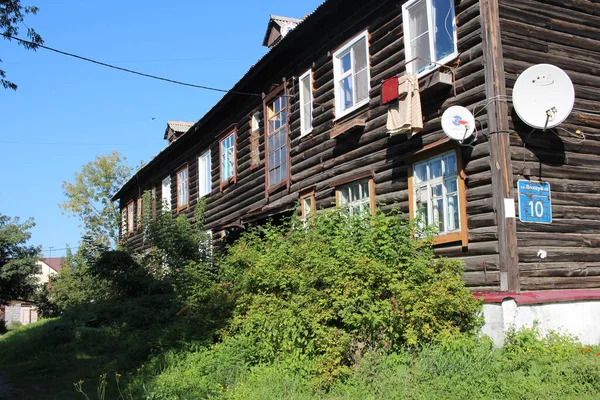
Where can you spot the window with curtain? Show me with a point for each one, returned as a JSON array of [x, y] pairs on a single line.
[[227, 150], [183, 194], [435, 193], [356, 196]]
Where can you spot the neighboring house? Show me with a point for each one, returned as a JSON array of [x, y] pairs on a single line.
[[317, 134], [23, 311]]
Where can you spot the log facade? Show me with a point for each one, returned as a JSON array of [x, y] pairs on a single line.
[[496, 40]]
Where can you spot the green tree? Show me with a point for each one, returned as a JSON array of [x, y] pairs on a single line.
[[89, 197], [12, 13], [18, 261]]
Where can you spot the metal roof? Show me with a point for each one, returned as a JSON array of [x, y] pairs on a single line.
[[180, 126]]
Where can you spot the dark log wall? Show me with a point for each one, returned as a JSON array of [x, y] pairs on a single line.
[[565, 33], [317, 160]]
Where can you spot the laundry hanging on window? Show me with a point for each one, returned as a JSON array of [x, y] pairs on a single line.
[[405, 116], [389, 90]]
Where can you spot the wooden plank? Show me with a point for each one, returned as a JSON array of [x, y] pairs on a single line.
[[500, 163]]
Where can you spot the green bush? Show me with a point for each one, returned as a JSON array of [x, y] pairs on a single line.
[[345, 285]]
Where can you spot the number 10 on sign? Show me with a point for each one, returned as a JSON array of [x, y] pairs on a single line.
[[535, 205]]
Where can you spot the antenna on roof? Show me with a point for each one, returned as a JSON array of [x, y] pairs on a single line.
[[543, 96]]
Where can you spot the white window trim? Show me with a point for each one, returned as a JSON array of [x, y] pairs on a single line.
[[407, 39], [336, 76], [204, 159], [439, 180], [166, 194], [305, 130], [255, 122], [364, 203], [224, 158]]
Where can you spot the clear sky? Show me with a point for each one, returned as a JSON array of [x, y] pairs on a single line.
[[66, 111]]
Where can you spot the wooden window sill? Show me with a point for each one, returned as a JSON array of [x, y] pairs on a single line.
[[348, 128]]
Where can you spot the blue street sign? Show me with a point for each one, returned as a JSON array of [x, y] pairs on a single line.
[[534, 202]]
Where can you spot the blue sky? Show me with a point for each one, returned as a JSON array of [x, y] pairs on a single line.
[[66, 111]]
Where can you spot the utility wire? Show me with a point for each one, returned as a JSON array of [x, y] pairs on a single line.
[[65, 144], [130, 70]]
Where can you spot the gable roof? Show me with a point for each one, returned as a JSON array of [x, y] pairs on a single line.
[[53, 262], [177, 127], [268, 40]]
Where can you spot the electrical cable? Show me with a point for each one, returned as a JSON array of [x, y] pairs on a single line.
[[130, 70]]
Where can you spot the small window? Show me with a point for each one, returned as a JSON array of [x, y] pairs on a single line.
[[277, 164], [166, 194], [124, 222], [255, 122], [351, 75], [255, 140], [357, 196], [130, 217], [429, 34], [183, 193], [306, 103], [227, 152], [204, 177], [307, 207], [138, 217], [436, 193]]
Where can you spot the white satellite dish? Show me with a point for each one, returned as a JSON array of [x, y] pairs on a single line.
[[543, 96], [458, 123]]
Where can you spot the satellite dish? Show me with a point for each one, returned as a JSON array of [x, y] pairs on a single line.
[[458, 123], [543, 96]]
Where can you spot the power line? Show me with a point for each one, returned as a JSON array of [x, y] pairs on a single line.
[[63, 144], [130, 70]]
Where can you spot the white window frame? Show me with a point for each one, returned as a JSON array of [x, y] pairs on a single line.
[[364, 201], [255, 122], [183, 188], [306, 127], [338, 75], [422, 190], [227, 158], [166, 194], [130, 217], [307, 207], [410, 67], [204, 174]]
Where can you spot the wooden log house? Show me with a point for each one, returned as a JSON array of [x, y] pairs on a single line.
[[317, 136]]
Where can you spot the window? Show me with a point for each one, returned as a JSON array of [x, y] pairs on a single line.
[[357, 196], [351, 75], [183, 193], [437, 196], [124, 222], [255, 122], [166, 194], [227, 155], [130, 217], [138, 217], [204, 177], [307, 207], [429, 34], [255, 140], [277, 163], [306, 103]]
